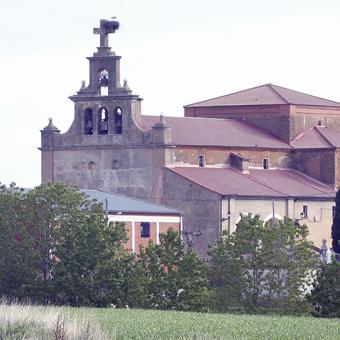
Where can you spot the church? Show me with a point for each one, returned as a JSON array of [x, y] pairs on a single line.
[[267, 150]]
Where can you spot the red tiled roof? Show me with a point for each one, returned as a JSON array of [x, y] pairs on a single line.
[[318, 137], [267, 94], [216, 132], [261, 183]]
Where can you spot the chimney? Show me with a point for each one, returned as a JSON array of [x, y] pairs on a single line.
[[239, 162]]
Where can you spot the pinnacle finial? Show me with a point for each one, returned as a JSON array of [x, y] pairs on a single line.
[[161, 119], [50, 125]]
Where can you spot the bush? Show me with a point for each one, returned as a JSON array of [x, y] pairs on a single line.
[[325, 295]]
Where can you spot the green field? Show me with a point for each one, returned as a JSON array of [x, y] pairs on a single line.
[[141, 324]]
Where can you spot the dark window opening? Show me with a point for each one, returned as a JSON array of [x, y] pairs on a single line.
[[145, 229], [104, 83], [320, 122], [88, 122], [118, 121], [266, 163], [103, 125], [305, 211], [201, 161]]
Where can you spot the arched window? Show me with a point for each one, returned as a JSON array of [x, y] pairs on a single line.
[[118, 121], [104, 82], [103, 126], [88, 122]]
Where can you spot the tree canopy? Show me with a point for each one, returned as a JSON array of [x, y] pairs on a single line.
[[261, 266], [61, 246], [336, 225]]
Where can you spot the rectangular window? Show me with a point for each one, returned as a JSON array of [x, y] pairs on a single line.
[[201, 161], [265, 162], [145, 229], [305, 211]]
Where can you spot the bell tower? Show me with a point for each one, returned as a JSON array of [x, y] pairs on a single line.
[[107, 147], [104, 106]]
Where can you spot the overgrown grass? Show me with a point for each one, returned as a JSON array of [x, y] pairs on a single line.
[[42, 322], [29, 322]]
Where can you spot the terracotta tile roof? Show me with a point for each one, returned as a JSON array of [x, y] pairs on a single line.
[[260, 183], [318, 137], [216, 132], [267, 94]]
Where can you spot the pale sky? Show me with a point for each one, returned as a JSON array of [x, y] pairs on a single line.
[[174, 53]]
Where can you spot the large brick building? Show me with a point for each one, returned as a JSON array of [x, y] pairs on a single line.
[[266, 150]]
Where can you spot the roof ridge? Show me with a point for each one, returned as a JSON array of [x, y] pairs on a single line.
[[278, 93], [225, 95], [301, 135], [307, 94], [286, 173], [324, 137], [261, 130], [212, 118], [264, 184]]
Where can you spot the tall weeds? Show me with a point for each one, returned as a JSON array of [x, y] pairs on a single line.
[[24, 321]]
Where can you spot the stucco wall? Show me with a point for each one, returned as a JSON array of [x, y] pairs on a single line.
[[319, 219]]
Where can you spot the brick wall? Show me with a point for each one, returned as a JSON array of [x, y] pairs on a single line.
[[144, 241]]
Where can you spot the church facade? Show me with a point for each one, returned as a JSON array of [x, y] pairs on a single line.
[[267, 150]]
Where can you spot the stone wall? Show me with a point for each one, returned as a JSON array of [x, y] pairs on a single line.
[[200, 207], [221, 156], [319, 164], [305, 117], [134, 171]]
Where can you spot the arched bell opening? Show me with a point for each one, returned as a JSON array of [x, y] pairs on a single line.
[[88, 122], [104, 82], [103, 124], [118, 121]]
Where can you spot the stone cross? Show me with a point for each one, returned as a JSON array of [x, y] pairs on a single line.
[[106, 27]]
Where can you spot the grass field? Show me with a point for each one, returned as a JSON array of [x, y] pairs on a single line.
[[18, 322]]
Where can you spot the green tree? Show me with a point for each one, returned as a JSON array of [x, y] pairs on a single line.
[[64, 249], [82, 257], [261, 266], [19, 263], [325, 295], [172, 278], [336, 225]]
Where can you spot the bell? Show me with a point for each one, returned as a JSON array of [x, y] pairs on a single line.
[[89, 124], [103, 126]]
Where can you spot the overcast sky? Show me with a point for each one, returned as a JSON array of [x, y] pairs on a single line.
[[174, 53]]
